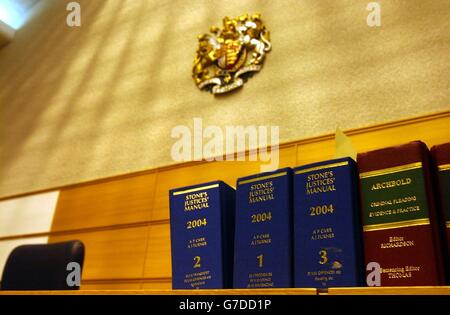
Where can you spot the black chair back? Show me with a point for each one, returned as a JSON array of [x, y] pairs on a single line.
[[43, 266]]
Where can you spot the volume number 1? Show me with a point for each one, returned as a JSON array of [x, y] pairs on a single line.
[[260, 260]]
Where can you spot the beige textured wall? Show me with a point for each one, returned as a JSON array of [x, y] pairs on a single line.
[[101, 100]]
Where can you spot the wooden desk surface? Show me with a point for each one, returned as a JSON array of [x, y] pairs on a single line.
[[444, 290], [293, 291]]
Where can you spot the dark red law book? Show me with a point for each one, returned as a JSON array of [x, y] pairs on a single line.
[[400, 222], [441, 158]]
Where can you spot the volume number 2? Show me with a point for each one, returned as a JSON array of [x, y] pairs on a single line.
[[197, 262]]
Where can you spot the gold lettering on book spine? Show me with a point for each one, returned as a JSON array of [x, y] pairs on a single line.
[[321, 167], [257, 179], [444, 167], [391, 170], [181, 192], [394, 225]]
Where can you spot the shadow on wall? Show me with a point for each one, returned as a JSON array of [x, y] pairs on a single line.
[[50, 50], [45, 50]]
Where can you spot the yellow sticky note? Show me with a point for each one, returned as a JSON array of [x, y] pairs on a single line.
[[344, 146]]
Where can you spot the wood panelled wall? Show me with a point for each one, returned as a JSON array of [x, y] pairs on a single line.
[[124, 221]]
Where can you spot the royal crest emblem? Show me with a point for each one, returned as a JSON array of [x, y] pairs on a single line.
[[226, 57]]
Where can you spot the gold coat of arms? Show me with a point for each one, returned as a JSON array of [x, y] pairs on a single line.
[[227, 56]]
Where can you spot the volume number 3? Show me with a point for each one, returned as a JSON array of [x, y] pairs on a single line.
[[323, 257]]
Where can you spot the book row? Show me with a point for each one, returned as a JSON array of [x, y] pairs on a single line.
[[383, 220]]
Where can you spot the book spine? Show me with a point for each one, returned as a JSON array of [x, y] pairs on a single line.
[[327, 229], [199, 258], [441, 157], [444, 188], [228, 199], [263, 250], [398, 218]]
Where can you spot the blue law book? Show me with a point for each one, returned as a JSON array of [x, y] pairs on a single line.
[[327, 228], [263, 234], [202, 234]]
